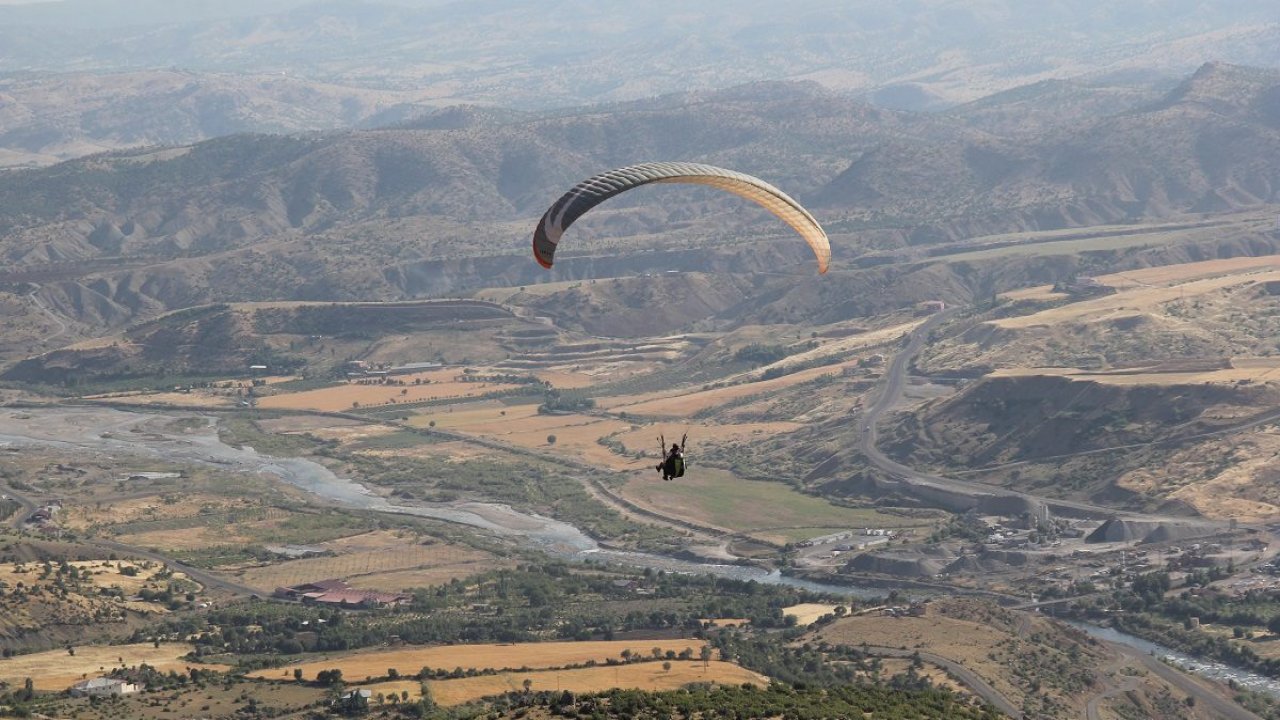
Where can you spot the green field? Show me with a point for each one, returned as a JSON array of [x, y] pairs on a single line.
[[719, 498]]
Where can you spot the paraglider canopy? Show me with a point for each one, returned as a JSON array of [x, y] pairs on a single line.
[[591, 192]]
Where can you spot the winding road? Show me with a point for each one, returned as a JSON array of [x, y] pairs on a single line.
[[895, 380], [967, 677]]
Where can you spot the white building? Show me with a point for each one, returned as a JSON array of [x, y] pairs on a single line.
[[103, 687]]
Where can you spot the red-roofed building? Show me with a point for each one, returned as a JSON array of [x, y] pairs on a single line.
[[339, 593]]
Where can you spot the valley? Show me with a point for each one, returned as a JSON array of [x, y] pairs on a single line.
[[292, 426]]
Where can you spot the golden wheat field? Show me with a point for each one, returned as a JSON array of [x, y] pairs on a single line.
[[639, 676], [59, 670], [806, 613], [481, 657]]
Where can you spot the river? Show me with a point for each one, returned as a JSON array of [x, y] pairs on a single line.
[[1206, 668], [111, 433], [106, 431]]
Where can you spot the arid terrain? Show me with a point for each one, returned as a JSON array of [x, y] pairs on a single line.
[[292, 426]]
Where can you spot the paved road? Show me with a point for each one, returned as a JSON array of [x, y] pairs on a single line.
[[207, 579], [62, 325], [967, 677], [1204, 693]]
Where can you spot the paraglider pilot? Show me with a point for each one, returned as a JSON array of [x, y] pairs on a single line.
[[672, 465]]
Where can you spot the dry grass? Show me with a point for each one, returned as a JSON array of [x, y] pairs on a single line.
[[350, 433], [806, 613], [1261, 370], [1244, 489], [1166, 274], [666, 404], [479, 657], [380, 560], [396, 687], [99, 573], [522, 425], [641, 676], [1132, 301], [1160, 275], [564, 379], [57, 670], [151, 507], [966, 642], [646, 437], [195, 398]]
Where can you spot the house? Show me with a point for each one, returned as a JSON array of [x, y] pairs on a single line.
[[355, 702], [339, 593], [103, 687]]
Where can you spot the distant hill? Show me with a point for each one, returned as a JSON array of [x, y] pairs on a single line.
[[911, 54], [47, 118], [444, 204]]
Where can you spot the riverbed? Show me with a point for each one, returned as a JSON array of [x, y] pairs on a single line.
[[112, 433]]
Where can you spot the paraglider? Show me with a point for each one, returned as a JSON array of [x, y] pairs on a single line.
[[591, 192], [672, 465]]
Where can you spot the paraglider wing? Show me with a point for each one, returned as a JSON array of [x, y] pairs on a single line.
[[593, 191]]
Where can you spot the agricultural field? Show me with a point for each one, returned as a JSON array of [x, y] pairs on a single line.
[[640, 676], [522, 425], [380, 560], [767, 510], [806, 613], [221, 393], [212, 700], [479, 657], [413, 688], [57, 670], [419, 387]]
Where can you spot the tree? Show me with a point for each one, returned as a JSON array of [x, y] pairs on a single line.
[[297, 674], [528, 684], [551, 439], [666, 666], [705, 654]]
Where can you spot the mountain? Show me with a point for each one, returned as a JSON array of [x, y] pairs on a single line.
[[570, 52], [1209, 144], [444, 205], [44, 119]]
